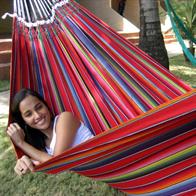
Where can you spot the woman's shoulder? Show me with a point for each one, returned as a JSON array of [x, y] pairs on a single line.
[[66, 117], [67, 120]]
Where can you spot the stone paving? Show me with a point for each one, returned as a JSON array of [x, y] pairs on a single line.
[[4, 103], [174, 49]]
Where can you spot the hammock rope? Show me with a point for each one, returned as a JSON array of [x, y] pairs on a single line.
[[142, 116], [176, 22]]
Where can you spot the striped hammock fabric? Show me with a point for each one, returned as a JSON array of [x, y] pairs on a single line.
[[142, 115]]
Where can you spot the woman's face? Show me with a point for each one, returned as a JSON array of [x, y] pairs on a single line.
[[35, 113]]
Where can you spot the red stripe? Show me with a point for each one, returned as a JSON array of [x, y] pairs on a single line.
[[53, 64], [155, 176], [163, 184], [153, 158], [117, 165], [128, 69], [118, 99], [134, 48], [89, 83], [191, 192], [83, 97]]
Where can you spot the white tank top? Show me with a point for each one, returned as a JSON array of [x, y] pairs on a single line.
[[82, 134]]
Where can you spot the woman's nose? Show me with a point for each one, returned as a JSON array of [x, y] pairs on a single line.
[[36, 114]]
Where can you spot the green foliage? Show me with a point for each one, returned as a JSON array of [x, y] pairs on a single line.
[[186, 10], [4, 85], [183, 70]]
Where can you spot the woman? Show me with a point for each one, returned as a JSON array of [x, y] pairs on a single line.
[[38, 133]]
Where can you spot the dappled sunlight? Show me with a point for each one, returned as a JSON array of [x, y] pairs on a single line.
[[5, 144], [4, 103], [185, 70], [3, 154], [185, 73], [3, 121]]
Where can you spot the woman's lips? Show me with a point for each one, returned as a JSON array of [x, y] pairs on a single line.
[[40, 122]]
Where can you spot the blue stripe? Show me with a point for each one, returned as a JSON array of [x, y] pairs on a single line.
[[69, 82], [91, 47], [133, 150]]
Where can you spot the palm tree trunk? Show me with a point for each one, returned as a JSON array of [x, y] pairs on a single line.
[[151, 39]]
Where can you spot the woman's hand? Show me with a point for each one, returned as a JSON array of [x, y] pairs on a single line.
[[24, 165], [16, 133]]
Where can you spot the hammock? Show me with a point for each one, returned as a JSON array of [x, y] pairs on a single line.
[[177, 23], [142, 115]]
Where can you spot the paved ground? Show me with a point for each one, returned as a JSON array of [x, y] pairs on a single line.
[[173, 50], [4, 103]]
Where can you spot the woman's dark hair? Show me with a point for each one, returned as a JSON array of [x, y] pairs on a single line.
[[33, 136]]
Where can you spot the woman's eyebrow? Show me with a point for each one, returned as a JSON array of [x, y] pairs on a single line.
[[26, 112], [39, 103], [35, 106]]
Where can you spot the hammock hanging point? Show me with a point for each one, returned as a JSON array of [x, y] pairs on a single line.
[[26, 21], [106, 81]]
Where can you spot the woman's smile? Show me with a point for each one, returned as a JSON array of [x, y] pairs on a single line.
[[40, 121]]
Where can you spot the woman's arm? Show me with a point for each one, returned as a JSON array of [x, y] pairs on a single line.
[[34, 153], [66, 128], [16, 133]]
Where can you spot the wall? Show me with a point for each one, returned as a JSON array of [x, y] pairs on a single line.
[[103, 10], [132, 12], [5, 25]]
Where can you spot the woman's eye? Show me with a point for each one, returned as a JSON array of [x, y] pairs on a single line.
[[39, 107], [28, 114]]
